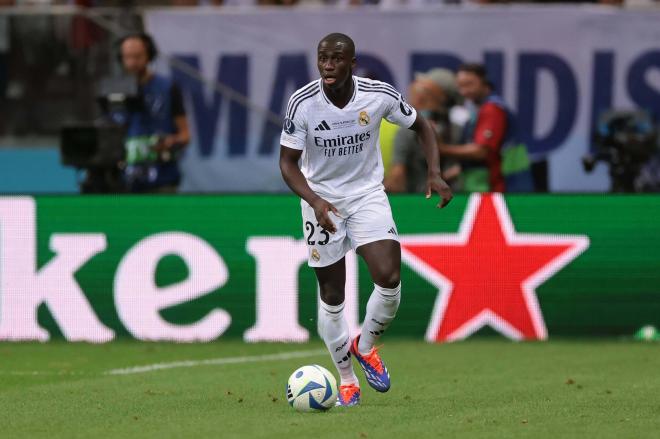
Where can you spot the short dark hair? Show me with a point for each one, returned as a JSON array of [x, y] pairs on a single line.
[[476, 69], [147, 40], [337, 37]]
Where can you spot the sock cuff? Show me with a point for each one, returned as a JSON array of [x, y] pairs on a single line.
[[332, 309], [388, 292]]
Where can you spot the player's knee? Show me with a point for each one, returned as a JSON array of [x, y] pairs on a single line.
[[389, 279], [331, 295]]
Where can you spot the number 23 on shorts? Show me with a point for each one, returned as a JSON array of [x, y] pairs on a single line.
[[322, 237]]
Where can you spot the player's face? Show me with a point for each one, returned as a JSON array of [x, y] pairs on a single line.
[[470, 86], [134, 56], [335, 63]]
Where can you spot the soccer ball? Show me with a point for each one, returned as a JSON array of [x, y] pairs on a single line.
[[311, 388]]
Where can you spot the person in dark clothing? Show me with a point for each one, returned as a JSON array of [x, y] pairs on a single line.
[[158, 130]]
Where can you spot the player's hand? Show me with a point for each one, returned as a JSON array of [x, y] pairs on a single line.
[[436, 184], [322, 208]]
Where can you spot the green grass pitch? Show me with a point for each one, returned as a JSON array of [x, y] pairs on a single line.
[[483, 388]]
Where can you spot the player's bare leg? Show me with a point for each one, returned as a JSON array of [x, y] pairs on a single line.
[[383, 259], [332, 282], [333, 328]]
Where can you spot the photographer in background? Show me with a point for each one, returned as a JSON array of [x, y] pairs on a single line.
[[485, 135], [432, 94], [156, 131]]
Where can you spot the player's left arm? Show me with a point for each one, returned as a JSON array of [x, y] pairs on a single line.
[[403, 114], [434, 181]]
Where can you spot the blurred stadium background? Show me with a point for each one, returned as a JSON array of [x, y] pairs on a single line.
[[224, 258]]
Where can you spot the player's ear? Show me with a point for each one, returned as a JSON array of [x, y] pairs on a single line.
[[353, 63]]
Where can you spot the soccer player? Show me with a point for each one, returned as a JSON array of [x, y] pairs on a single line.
[[332, 124]]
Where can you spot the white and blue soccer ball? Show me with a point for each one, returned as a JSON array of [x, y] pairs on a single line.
[[311, 388]]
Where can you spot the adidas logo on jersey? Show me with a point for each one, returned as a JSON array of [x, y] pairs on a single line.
[[323, 126], [393, 232]]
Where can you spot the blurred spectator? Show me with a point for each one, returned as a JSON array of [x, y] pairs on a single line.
[[432, 94], [414, 3], [4, 50], [489, 130], [277, 2], [84, 33], [204, 2], [37, 49], [158, 130], [237, 2]]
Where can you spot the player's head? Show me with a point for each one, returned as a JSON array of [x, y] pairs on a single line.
[[135, 52], [336, 59], [473, 83]]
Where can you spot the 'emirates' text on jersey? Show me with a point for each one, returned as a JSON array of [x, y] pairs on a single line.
[[341, 152]]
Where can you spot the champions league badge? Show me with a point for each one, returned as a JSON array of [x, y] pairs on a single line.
[[364, 118], [289, 126]]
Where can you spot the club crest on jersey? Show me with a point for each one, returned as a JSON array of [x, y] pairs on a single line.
[[316, 256], [364, 118], [289, 126]]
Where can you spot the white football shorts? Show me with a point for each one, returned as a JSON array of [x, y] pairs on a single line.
[[364, 219]]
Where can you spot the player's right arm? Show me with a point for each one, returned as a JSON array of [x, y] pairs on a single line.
[[295, 179], [292, 143]]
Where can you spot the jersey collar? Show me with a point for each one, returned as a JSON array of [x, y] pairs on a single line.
[[325, 98]]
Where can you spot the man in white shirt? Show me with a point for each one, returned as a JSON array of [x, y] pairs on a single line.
[[332, 124]]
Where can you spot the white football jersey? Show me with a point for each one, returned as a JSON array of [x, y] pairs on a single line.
[[341, 150]]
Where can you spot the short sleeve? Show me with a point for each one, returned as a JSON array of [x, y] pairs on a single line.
[[400, 112], [491, 126], [294, 129]]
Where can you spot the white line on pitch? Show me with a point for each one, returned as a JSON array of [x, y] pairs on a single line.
[[216, 362]]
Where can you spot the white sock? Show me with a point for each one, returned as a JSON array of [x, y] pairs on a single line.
[[381, 309], [333, 329]]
